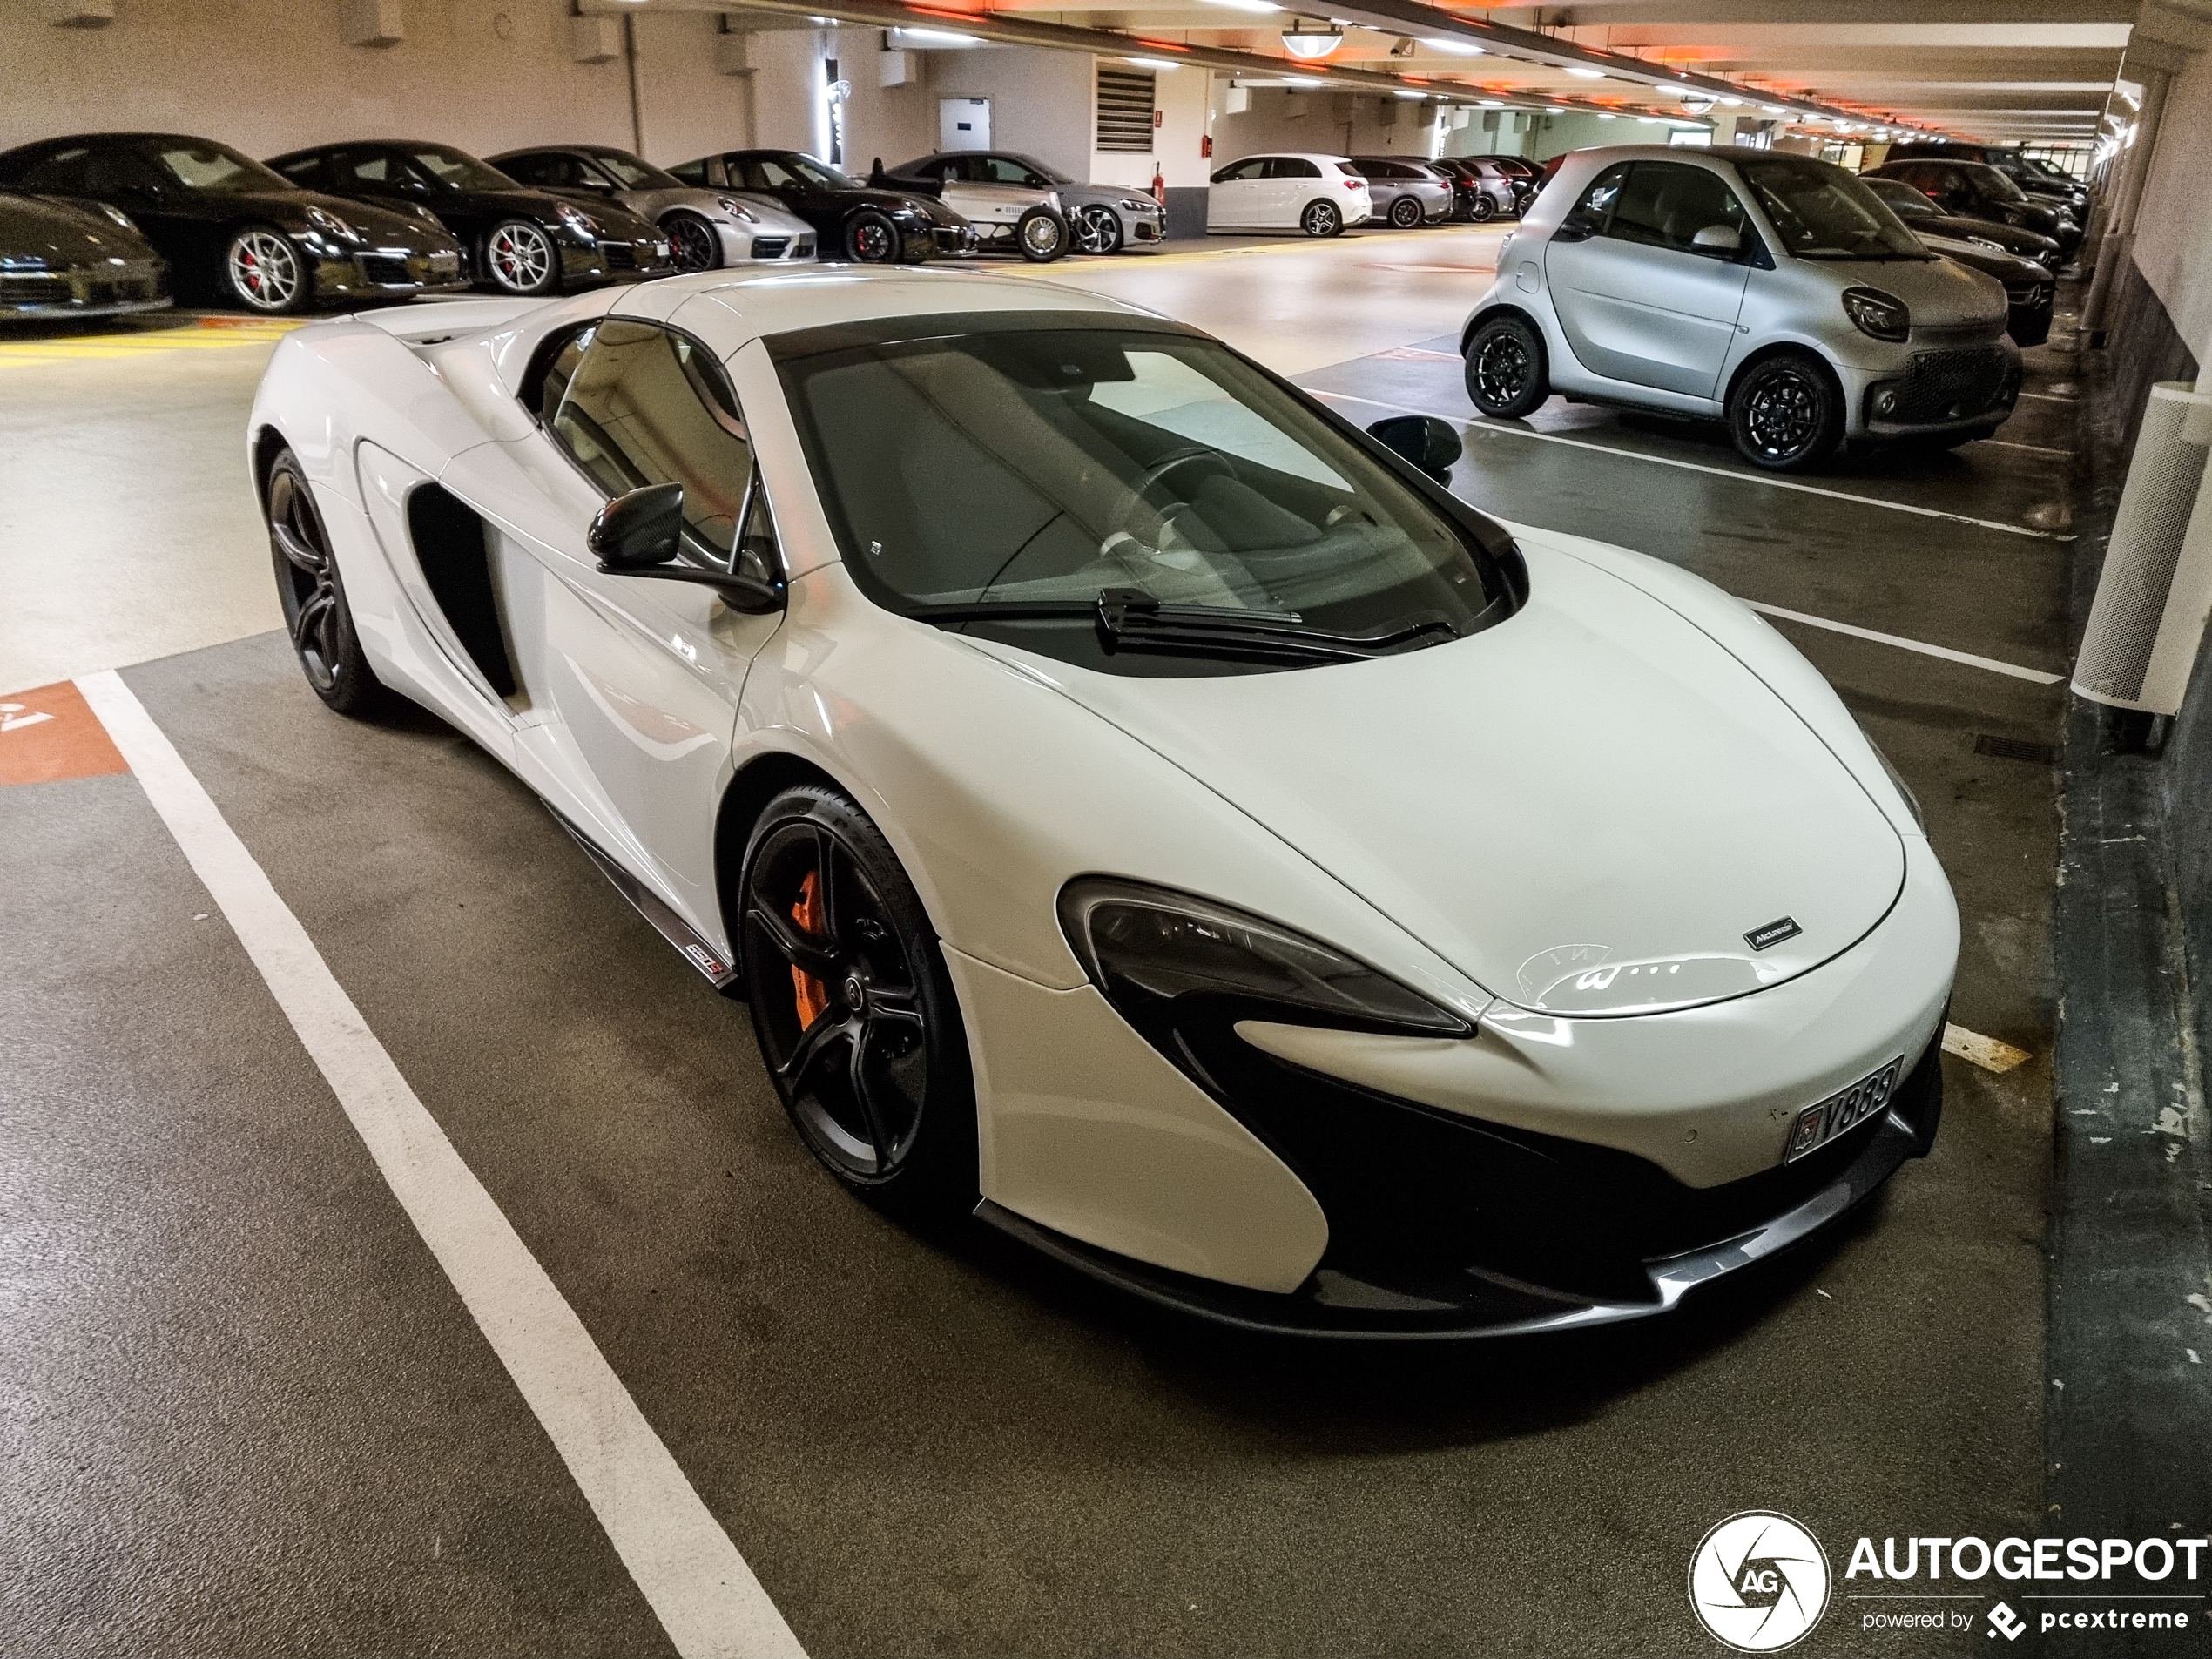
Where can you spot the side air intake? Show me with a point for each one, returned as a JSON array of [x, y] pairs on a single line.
[[450, 546], [2155, 588]]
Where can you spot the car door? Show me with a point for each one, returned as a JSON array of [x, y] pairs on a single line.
[[1637, 297], [1293, 181], [1233, 196], [635, 681]]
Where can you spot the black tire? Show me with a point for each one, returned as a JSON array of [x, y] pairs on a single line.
[[265, 271], [315, 611], [1041, 235], [855, 1014], [1507, 376], [520, 258], [1483, 210], [1098, 229], [694, 242], [1785, 413], [871, 238], [1405, 212], [1321, 219]]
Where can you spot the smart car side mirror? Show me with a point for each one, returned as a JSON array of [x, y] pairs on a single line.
[[1431, 444], [641, 534], [1719, 239]]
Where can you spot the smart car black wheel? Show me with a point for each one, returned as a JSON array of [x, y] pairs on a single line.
[[1785, 413], [855, 1011], [1098, 229], [692, 241], [1506, 371], [265, 271], [519, 258], [1320, 219], [1405, 212], [315, 612], [871, 238], [1041, 235]]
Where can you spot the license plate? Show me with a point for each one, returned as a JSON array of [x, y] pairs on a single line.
[[660, 250], [1841, 1113], [445, 264]]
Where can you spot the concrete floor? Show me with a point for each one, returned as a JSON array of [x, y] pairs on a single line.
[[246, 1412]]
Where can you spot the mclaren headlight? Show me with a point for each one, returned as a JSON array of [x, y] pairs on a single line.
[[736, 209], [1181, 970], [1882, 315], [331, 226]]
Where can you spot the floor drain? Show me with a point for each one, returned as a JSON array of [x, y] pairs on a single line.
[[2015, 749]]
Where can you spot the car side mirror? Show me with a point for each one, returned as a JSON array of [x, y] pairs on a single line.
[[1431, 444], [641, 534], [1719, 239]]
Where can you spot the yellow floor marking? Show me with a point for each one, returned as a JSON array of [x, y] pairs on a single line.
[[194, 335], [1985, 1052]]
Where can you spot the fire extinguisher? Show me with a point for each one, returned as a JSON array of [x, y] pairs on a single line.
[[1159, 186]]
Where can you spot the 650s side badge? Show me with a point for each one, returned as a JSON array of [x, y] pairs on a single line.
[[1772, 934]]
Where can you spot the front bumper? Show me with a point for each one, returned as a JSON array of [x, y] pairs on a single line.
[[390, 273], [84, 291], [625, 260], [1526, 1233], [784, 247], [1932, 388]]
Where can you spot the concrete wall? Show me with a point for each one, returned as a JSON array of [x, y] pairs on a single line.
[[2173, 246], [270, 74], [1320, 122]]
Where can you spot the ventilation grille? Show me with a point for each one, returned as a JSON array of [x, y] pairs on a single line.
[[1126, 110], [2148, 613]]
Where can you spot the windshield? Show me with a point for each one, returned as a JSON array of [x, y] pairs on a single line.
[[457, 171], [1041, 169], [1822, 213], [1992, 182], [633, 174], [820, 172], [1019, 471], [1902, 198], [216, 168]]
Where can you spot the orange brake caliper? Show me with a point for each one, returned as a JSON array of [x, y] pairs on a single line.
[[812, 997]]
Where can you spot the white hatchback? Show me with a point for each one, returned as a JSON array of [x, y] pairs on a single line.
[[1315, 193]]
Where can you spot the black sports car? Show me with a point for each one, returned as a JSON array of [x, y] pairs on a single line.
[[232, 231], [1976, 190], [519, 240], [852, 221], [62, 258], [1920, 213]]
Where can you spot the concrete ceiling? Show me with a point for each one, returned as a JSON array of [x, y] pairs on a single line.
[[1996, 69]]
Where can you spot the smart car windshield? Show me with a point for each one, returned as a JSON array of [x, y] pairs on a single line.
[[1822, 213], [217, 169], [1030, 482], [456, 170]]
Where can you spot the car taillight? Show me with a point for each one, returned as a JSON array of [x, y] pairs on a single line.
[[1351, 184]]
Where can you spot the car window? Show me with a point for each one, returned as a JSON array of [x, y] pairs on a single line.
[[1665, 204], [452, 168], [1822, 213], [1291, 167], [1988, 181], [1237, 172], [763, 173], [998, 170], [627, 173], [368, 167], [692, 172], [66, 172], [1589, 215], [637, 405], [553, 171], [215, 168], [304, 169], [1049, 467]]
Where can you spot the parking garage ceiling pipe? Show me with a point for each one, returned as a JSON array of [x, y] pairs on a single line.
[[1389, 17]]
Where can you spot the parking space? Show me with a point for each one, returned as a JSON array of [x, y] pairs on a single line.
[[254, 1416]]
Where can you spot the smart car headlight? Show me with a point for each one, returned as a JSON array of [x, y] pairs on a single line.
[[1882, 315], [1162, 958], [735, 208]]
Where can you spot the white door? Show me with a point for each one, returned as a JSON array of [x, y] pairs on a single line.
[[1293, 181], [1234, 199], [963, 123]]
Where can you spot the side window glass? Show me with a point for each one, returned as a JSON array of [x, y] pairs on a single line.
[[1665, 205], [66, 172], [1590, 214], [645, 406], [1291, 167], [692, 172]]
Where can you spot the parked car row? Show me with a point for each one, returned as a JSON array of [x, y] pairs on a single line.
[[1323, 195]]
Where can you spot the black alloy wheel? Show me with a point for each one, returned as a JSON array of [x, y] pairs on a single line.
[[1506, 373], [1041, 235], [1321, 219], [1483, 210], [1405, 212], [693, 240], [1785, 413], [315, 612], [1098, 229], [853, 1006], [871, 238]]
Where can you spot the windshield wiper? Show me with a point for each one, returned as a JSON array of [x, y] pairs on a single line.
[[1128, 619]]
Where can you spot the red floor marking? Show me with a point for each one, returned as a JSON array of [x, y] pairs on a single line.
[[48, 734]]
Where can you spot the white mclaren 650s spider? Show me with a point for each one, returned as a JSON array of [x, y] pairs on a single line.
[[1135, 805]]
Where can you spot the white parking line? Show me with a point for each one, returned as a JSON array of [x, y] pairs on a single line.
[[700, 1589], [2036, 676], [2040, 449], [1696, 466]]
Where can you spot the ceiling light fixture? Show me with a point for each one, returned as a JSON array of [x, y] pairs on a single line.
[[1308, 45], [938, 37], [1587, 74], [1302, 80], [1457, 48], [1153, 62], [1246, 6], [1491, 103]]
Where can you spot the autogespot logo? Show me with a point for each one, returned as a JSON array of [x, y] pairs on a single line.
[[1758, 1581]]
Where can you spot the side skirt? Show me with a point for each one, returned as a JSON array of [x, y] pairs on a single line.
[[720, 975]]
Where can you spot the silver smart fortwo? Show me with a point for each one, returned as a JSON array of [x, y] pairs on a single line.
[[1774, 292]]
